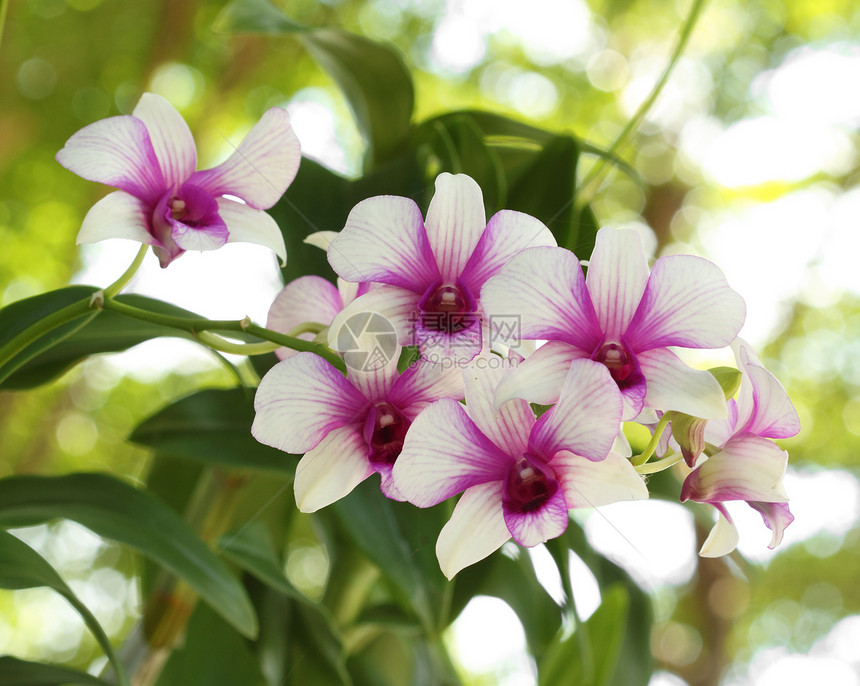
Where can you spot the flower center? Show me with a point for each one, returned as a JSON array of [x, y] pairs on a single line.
[[389, 432], [528, 485], [448, 308], [178, 208], [618, 361]]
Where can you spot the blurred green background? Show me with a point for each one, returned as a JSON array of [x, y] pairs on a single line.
[[748, 158]]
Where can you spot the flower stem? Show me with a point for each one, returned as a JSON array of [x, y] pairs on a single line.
[[4, 6], [659, 465], [654, 442], [127, 275]]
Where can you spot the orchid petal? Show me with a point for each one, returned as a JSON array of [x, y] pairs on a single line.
[[171, 138], [748, 468], [444, 454], [545, 288], [374, 381], [672, 385], [320, 239], [507, 234], [764, 407], [302, 399], [332, 469], [117, 215], [306, 299], [776, 517], [687, 303], [476, 529], [455, 222], [723, 538], [540, 377], [444, 347], [537, 526], [617, 274], [209, 236], [261, 167], [594, 484], [118, 152], [585, 419], [397, 305], [249, 225], [424, 383], [384, 240]]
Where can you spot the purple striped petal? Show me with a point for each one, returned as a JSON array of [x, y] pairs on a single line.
[[171, 138], [544, 287], [397, 305], [117, 215], [476, 529], [444, 454], [688, 303], [384, 240], [748, 468], [332, 469], [764, 407], [247, 225], [540, 525], [261, 167], [507, 234], [617, 274], [672, 385], [375, 380], [302, 399], [594, 484], [586, 418], [540, 377], [118, 152], [306, 299], [776, 517], [424, 383], [455, 222]]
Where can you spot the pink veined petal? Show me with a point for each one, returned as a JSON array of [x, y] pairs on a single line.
[[538, 526], [687, 303], [384, 240], [719, 431], [723, 538], [306, 299], [118, 152], [586, 418], [748, 468], [594, 484], [764, 407], [476, 529], [375, 380], [617, 274], [208, 237], [386, 482], [117, 215], [302, 399], [544, 287], [171, 138], [397, 305], [507, 233], [776, 517], [540, 377], [332, 469], [424, 383], [261, 167], [455, 222], [247, 225], [672, 385], [444, 454], [453, 348], [509, 425]]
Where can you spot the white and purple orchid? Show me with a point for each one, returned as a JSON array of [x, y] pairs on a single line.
[[150, 156], [621, 316], [348, 428], [519, 475], [431, 270], [749, 466]]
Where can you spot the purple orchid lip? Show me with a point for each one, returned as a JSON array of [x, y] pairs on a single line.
[[448, 308], [529, 483], [385, 431]]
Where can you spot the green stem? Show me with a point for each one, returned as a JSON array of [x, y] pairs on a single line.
[[127, 275], [654, 442], [217, 343], [622, 140], [4, 6], [660, 465]]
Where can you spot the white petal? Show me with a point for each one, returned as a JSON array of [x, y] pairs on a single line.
[[455, 222], [594, 484], [261, 167], [306, 299], [722, 540], [117, 215], [424, 383], [476, 529], [171, 138], [332, 469], [375, 380], [540, 377], [672, 385], [617, 274], [764, 407], [320, 239], [247, 225], [396, 305]]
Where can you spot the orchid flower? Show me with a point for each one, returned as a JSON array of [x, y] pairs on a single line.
[[519, 475], [749, 466], [348, 428], [162, 201], [431, 271], [621, 316]]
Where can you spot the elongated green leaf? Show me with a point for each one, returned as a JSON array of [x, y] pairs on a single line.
[[212, 426], [22, 567], [251, 549], [259, 16], [15, 672], [133, 517]]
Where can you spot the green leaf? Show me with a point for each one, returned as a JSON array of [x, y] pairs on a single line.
[[115, 510], [259, 16], [588, 656], [15, 672], [22, 567], [729, 379], [212, 426]]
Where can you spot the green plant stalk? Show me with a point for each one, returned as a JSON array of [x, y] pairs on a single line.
[[4, 7], [660, 465], [127, 275], [652, 444]]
